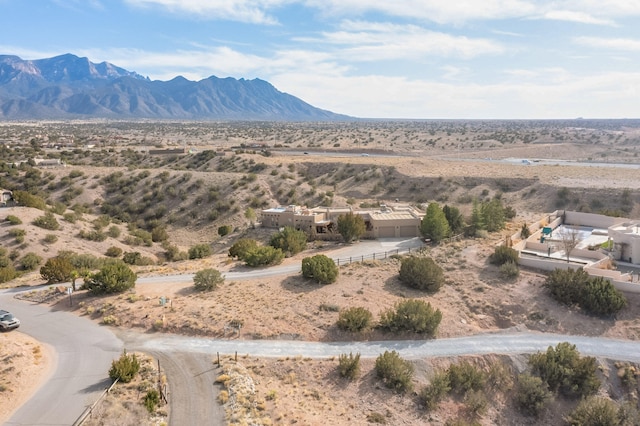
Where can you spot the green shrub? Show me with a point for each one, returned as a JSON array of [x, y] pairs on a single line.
[[532, 395], [113, 277], [524, 232], [411, 315], [351, 226], [207, 279], [395, 372], [70, 217], [225, 230], [375, 417], [159, 234], [26, 199], [13, 220], [57, 270], [151, 400], [290, 240], [509, 270], [596, 411], [92, 235], [50, 238], [596, 295], [502, 255], [421, 273], [132, 258], [113, 251], [435, 391], [240, 249], [114, 231], [30, 261], [354, 319], [563, 369], [173, 253], [7, 273], [464, 377], [264, 256], [200, 251], [320, 268], [349, 366], [47, 221], [18, 234], [475, 403], [124, 368]]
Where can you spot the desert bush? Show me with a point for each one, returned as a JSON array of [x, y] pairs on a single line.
[[351, 227], [144, 236], [395, 372], [113, 251], [524, 232], [241, 247], [110, 320], [58, 208], [349, 366], [596, 295], [225, 230], [70, 217], [18, 234], [207, 279], [320, 268], [264, 256], [421, 273], [595, 410], [50, 238], [503, 254], [375, 417], [114, 231], [159, 234], [563, 369], [151, 400], [431, 395], [26, 199], [113, 277], [7, 273], [173, 253], [290, 240], [124, 368], [47, 221], [57, 270], [475, 403], [93, 235], [532, 395], [13, 220], [411, 315], [200, 251], [30, 261], [509, 270], [465, 377], [355, 319]]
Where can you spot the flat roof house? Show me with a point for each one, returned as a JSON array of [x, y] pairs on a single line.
[[626, 241]]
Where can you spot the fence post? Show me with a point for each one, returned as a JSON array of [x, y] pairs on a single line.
[[374, 256]]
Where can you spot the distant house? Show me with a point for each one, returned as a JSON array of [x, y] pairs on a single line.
[[174, 151], [48, 162], [626, 241], [6, 196], [382, 222]]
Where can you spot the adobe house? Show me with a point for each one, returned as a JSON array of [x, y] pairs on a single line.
[[383, 222], [626, 241], [6, 196]]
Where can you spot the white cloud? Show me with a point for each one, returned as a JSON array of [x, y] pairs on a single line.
[[621, 44], [574, 16], [610, 95], [252, 11], [372, 41]]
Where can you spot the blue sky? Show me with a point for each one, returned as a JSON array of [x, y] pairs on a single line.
[[366, 58]]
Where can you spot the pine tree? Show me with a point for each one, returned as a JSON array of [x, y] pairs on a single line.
[[434, 225]]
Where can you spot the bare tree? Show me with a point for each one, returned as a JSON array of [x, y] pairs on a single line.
[[570, 239]]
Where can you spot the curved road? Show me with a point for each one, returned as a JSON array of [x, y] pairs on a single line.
[[85, 351]]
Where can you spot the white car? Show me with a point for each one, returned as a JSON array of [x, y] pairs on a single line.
[[8, 321]]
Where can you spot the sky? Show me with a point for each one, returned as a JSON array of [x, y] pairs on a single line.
[[411, 59]]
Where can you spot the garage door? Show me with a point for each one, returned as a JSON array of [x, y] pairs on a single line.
[[386, 232], [408, 231]]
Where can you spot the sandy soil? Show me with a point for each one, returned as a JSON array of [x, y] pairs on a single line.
[[25, 364]]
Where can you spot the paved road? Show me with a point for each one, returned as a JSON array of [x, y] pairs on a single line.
[[84, 354]]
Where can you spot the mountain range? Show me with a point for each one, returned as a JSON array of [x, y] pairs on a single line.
[[70, 87]]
